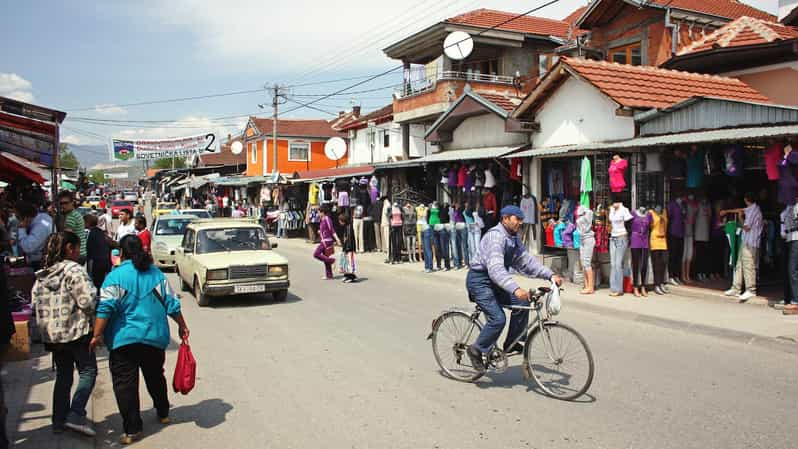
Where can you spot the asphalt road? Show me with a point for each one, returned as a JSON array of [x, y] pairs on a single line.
[[348, 366]]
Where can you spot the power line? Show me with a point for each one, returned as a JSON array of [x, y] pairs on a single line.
[[170, 100], [392, 86]]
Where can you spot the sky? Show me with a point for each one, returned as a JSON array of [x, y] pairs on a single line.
[[94, 58]]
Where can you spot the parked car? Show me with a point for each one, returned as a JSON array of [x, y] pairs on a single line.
[[130, 196], [118, 205], [92, 200], [167, 234], [199, 213], [164, 208], [224, 257]]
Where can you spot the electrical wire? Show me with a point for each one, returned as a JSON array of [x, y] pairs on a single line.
[[170, 100]]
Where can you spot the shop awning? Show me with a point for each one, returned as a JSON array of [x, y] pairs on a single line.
[[66, 185], [332, 173], [470, 154], [399, 164], [712, 136], [232, 181], [29, 131], [11, 169]]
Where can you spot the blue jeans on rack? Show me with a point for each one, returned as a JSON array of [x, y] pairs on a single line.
[[427, 238], [441, 240], [460, 245], [474, 235], [618, 247]]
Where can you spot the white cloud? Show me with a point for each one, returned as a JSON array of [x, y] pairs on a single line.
[[16, 87], [109, 109], [73, 139], [185, 127]]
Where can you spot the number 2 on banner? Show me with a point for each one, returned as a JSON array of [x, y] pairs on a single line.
[[210, 138]]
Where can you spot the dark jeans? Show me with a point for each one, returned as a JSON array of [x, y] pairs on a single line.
[[675, 253], [68, 356], [426, 246], [396, 244], [125, 363], [488, 295], [441, 240], [639, 266], [461, 247], [791, 296], [703, 258], [659, 260]]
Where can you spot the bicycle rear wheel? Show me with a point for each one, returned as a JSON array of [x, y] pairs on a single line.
[[452, 334], [559, 360]]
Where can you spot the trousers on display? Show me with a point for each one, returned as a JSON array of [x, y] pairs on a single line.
[[618, 247], [675, 255], [357, 227], [659, 261], [462, 258], [426, 246], [396, 244], [639, 266], [441, 240]]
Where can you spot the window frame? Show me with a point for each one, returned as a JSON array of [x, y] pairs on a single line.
[[253, 149], [626, 50], [386, 138], [299, 142], [551, 60]]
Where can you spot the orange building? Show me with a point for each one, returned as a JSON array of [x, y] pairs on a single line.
[[300, 146]]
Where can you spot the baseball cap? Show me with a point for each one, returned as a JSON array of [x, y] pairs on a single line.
[[512, 210]]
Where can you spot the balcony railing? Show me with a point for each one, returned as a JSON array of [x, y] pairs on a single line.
[[423, 85]]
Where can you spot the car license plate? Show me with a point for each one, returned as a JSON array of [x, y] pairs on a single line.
[[249, 288]]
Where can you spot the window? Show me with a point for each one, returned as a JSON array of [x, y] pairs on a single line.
[[628, 54], [386, 138], [253, 149], [298, 151], [545, 62], [188, 241]]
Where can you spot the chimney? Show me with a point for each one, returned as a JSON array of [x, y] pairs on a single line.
[[356, 111]]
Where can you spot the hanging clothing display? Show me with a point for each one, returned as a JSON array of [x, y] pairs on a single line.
[[516, 172], [529, 206], [556, 181], [586, 185], [313, 194], [617, 173], [788, 184], [733, 161], [695, 169], [490, 180], [653, 162], [773, 156], [462, 175]]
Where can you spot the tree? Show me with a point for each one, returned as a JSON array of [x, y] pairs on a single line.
[[96, 176], [67, 158], [180, 162]]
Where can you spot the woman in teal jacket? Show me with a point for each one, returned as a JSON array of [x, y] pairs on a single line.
[[135, 301]]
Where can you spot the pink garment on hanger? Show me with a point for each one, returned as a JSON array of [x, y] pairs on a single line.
[[773, 156], [617, 180]]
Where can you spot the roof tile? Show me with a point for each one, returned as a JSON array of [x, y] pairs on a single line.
[[730, 9], [381, 115], [297, 128], [651, 87], [488, 18], [742, 31]]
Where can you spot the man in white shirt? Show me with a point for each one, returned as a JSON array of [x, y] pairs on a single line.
[[126, 225], [105, 222]]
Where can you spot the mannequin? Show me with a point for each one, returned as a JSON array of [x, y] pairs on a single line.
[[489, 204], [619, 242], [691, 211], [640, 242], [440, 235], [358, 211], [676, 214], [396, 234], [587, 242], [410, 232], [385, 226], [702, 237], [617, 173], [659, 248], [529, 205], [460, 237]]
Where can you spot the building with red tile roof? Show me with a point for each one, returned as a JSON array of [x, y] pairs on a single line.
[[742, 32], [509, 21]]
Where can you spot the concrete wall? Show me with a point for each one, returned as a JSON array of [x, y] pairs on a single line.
[[360, 145], [483, 131], [564, 121], [778, 82]]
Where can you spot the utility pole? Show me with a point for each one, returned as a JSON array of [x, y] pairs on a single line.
[[278, 93]]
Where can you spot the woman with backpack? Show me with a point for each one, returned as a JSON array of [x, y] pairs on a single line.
[[64, 285], [135, 301]]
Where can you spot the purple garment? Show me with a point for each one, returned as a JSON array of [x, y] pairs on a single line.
[[675, 219], [469, 181], [326, 231], [640, 230], [374, 193], [788, 185], [452, 178], [733, 161], [457, 216], [568, 235]]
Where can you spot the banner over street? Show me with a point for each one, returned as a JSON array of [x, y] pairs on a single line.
[[153, 149]]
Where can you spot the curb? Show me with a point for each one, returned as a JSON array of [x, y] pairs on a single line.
[[782, 344]]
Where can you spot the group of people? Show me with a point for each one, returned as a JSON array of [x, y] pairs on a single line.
[[80, 303]]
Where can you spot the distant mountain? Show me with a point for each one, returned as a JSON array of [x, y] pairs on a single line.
[[90, 155]]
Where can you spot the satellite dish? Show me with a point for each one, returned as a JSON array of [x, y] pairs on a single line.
[[237, 147], [335, 148], [458, 45]]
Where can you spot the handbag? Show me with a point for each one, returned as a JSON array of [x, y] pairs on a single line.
[[185, 370]]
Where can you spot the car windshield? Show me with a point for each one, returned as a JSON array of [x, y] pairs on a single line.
[[231, 239], [166, 205], [198, 213], [174, 226], [121, 203]]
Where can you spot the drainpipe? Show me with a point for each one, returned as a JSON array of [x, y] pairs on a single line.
[[674, 27]]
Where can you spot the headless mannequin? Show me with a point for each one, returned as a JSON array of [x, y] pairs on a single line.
[[691, 209]]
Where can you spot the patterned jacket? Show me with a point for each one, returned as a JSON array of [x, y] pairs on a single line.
[[64, 300]]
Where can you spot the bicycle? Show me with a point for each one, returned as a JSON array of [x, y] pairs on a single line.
[[551, 350]]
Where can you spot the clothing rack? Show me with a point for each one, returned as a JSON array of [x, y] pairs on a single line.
[[410, 196]]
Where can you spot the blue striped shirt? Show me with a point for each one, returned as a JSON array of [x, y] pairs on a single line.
[[753, 219], [492, 248]]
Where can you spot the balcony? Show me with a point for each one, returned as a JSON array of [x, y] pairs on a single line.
[[422, 85]]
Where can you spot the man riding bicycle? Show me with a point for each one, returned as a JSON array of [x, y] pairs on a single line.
[[490, 284]]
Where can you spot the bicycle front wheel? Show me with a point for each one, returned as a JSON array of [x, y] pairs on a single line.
[[559, 360], [452, 334]]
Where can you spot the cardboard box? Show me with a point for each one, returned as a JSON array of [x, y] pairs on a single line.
[[19, 348]]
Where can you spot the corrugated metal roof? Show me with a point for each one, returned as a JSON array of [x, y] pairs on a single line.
[[469, 154], [715, 135]]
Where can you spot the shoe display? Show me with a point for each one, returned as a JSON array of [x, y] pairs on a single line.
[[658, 290], [664, 288], [673, 281], [731, 292], [476, 358], [790, 309]]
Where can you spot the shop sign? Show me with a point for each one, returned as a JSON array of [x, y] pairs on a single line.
[[122, 150]]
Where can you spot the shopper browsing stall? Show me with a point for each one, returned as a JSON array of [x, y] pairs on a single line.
[[748, 258]]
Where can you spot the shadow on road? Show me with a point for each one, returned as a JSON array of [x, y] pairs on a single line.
[[513, 377], [256, 300], [206, 414]]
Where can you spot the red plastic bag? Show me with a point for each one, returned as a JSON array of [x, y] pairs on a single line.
[[628, 287], [185, 370]]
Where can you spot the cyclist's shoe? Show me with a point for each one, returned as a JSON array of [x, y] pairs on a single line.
[[517, 348], [476, 358]]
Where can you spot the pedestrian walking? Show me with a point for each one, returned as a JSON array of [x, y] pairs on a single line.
[[143, 233], [126, 225], [64, 300], [135, 301], [324, 252], [73, 221], [98, 253]]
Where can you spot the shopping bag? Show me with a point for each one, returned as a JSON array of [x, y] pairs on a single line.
[[185, 370]]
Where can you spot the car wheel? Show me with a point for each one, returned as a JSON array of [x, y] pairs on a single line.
[[202, 298], [280, 295]]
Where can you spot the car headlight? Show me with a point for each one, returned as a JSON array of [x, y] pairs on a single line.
[[216, 275], [278, 270]]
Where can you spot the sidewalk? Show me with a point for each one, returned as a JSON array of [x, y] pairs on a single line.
[[688, 309]]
